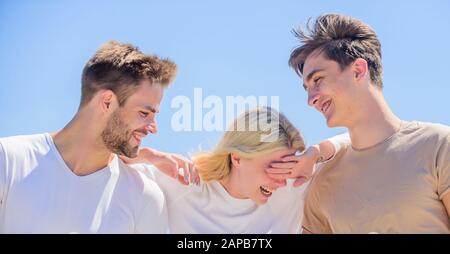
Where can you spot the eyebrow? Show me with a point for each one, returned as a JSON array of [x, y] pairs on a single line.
[[151, 108], [310, 75]]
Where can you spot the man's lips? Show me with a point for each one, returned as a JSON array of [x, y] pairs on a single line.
[[324, 106], [139, 135]]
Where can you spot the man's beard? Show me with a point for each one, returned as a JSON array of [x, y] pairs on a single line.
[[116, 137]]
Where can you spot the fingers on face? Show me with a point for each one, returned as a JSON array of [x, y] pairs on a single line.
[[278, 171], [279, 176], [283, 165], [290, 158]]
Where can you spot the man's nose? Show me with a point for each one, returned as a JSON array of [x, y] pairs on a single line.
[[313, 98], [152, 127]]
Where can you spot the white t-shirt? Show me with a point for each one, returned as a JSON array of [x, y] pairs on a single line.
[[40, 194], [208, 208]]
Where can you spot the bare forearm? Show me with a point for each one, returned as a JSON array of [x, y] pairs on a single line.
[[322, 151], [326, 149], [329, 147]]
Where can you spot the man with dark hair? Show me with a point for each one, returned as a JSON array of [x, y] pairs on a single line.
[[394, 176], [72, 180]]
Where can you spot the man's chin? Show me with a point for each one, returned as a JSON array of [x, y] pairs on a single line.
[[131, 156], [331, 123], [133, 153], [130, 153]]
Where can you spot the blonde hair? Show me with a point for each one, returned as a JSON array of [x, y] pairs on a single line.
[[248, 136]]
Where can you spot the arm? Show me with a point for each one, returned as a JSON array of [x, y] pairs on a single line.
[[333, 145], [173, 165], [301, 166]]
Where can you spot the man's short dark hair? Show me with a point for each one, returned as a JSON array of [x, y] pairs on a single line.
[[342, 39]]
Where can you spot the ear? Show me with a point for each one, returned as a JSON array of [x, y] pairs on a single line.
[[235, 160], [107, 101], [360, 69]]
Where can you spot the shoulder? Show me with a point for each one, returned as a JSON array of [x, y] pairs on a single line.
[[427, 136], [428, 130], [15, 144], [17, 150], [141, 180]]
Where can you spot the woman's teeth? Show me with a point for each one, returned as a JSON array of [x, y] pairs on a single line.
[[265, 191]]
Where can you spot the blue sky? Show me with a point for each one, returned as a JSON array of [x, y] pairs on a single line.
[[227, 48]]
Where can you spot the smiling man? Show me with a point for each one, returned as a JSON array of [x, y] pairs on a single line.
[[72, 181], [394, 176]]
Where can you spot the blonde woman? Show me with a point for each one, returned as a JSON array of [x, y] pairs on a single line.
[[236, 194]]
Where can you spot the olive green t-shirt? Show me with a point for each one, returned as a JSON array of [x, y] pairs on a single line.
[[395, 186]]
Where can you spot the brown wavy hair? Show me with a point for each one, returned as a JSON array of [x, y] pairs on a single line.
[[119, 67]]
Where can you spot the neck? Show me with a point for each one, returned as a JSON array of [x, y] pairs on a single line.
[[80, 144], [376, 123], [230, 184]]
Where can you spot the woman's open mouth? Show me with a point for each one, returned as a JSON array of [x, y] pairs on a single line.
[[266, 191]]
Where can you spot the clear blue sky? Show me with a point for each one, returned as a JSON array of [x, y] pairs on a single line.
[[228, 48]]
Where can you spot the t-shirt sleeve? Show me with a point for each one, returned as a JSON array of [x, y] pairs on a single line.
[[165, 182], [153, 217], [145, 169], [313, 219], [338, 141], [443, 168], [153, 173]]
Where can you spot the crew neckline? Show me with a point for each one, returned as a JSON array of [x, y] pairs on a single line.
[[406, 126]]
